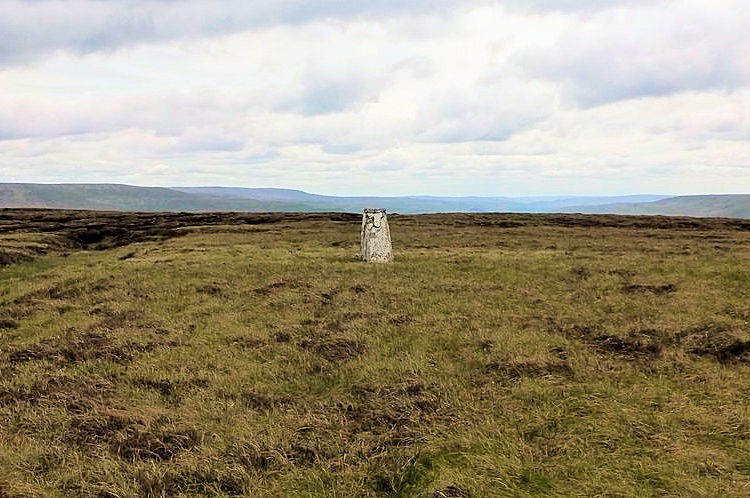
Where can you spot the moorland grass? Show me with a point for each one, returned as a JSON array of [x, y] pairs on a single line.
[[499, 355]]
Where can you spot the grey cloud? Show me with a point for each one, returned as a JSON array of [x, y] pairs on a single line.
[[210, 143], [417, 66], [492, 112], [32, 27], [572, 5], [29, 27], [164, 116], [384, 167], [328, 97], [230, 162], [457, 132], [647, 52], [601, 80], [325, 89], [15, 127], [342, 148]]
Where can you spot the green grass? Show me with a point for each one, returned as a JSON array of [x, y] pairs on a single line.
[[512, 359]]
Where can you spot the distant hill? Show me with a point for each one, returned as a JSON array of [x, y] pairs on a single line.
[[729, 206], [558, 204], [112, 197], [406, 204], [266, 194], [128, 198], [418, 204]]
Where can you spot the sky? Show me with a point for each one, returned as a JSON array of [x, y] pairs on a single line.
[[391, 97]]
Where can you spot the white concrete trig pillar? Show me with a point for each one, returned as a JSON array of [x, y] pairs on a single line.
[[376, 237]]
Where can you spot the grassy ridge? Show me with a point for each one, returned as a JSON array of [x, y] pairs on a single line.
[[498, 356], [227, 199], [733, 206], [130, 198]]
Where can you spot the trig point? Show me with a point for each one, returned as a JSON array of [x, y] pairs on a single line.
[[376, 237]]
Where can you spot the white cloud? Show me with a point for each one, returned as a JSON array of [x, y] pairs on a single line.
[[659, 49], [33, 27], [387, 97]]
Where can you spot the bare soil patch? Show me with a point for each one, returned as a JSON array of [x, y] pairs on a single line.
[[653, 289]]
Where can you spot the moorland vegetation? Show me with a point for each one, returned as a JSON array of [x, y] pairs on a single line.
[[253, 354]]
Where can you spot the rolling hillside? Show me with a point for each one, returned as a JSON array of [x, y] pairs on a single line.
[[729, 206], [418, 204], [202, 355], [110, 197], [128, 198]]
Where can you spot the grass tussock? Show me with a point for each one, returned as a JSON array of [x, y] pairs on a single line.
[[254, 355]]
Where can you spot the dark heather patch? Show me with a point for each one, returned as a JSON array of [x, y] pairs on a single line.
[[630, 345], [210, 289], [120, 320], [400, 319], [333, 326], [486, 345], [9, 258], [164, 386], [202, 481], [282, 337], [75, 395], [252, 456], [18, 310], [452, 491], [303, 454], [259, 401], [101, 310], [46, 462], [89, 429], [8, 323], [626, 274], [67, 290], [140, 443], [737, 351], [395, 411], [245, 342], [296, 451], [268, 289], [350, 316], [653, 289], [712, 340], [60, 292], [581, 272], [328, 296], [636, 344], [561, 352], [518, 369], [67, 350], [717, 341], [167, 387]]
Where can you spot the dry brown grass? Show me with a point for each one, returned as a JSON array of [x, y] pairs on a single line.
[[500, 355]]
